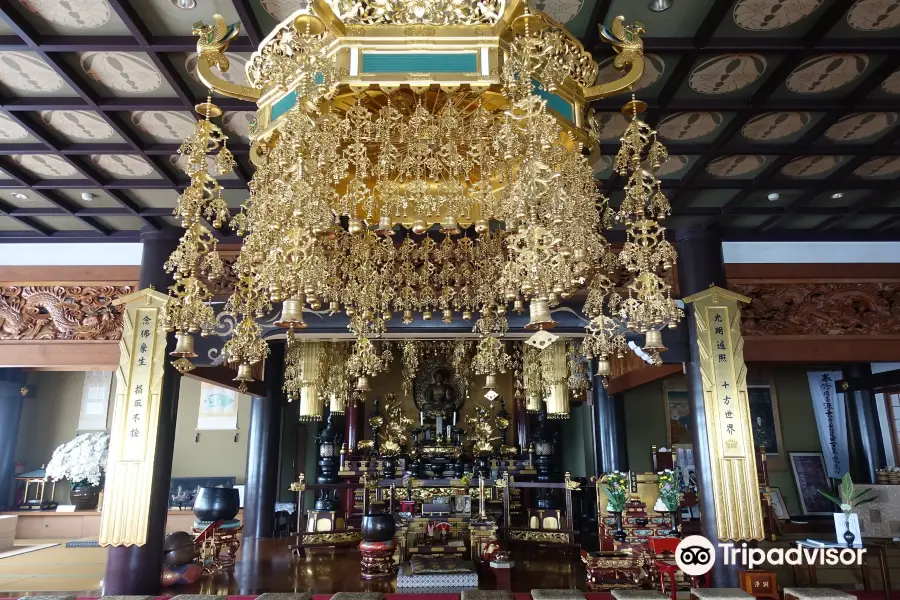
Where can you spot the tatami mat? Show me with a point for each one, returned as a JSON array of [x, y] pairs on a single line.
[[53, 569]]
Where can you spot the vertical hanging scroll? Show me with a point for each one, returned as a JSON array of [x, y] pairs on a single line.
[[724, 379], [132, 451]]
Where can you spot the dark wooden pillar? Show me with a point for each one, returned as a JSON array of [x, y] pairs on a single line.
[[263, 449], [700, 264], [135, 570], [863, 429], [354, 423], [608, 415], [12, 381], [618, 443]]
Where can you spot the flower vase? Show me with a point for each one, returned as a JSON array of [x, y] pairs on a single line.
[[674, 531], [619, 534], [849, 536], [84, 496]]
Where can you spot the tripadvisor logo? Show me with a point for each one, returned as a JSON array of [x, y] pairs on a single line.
[[696, 556]]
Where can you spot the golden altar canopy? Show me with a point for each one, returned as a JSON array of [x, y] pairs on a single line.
[[423, 156]]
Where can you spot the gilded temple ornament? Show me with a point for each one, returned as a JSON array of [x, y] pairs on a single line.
[[430, 116]]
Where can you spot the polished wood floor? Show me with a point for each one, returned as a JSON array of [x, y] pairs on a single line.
[[267, 566]]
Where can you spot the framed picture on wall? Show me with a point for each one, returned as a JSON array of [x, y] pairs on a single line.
[[778, 504], [810, 477], [678, 414], [765, 422]]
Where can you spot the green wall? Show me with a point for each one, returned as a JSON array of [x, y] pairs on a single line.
[[645, 423], [576, 447]]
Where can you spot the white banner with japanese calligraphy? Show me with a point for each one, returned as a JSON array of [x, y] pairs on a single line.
[[831, 420], [95, 401]]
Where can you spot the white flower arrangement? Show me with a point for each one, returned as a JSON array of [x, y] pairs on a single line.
[[81, 461]]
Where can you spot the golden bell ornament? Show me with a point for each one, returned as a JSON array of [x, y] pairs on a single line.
[[467, 315], [490, 382], [184, 346], [481, 226], [448, 316], [385, 226], [539, 310], [309, 24], [291, 315], [244, 373], [355, 226], [362, 384], [419, 227], [653, 341], [604, 369], [519, 306], [426, 315], [578, 254], [407, 316], [449, 225], [333, 307]]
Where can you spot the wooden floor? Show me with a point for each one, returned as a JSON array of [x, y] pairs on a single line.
[[262, 566]]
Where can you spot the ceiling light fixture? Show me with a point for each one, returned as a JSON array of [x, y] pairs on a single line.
[[837, 195], [19, 196], [87, 197], [660, 5], [774, 196], [185, 4]]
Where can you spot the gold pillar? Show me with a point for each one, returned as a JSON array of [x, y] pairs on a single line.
[[132, 444], [724, 379]]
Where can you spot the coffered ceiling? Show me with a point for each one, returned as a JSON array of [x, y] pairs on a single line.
[[781, 116]]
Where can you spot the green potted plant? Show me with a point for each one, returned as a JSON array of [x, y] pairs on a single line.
[[848, 499], [83, 462]]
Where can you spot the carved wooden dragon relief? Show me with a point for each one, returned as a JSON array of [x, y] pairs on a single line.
[[820, 309], [60, 312]]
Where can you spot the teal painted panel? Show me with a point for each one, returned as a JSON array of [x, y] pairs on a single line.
[[419, 62], [283, 105], [557, 103]]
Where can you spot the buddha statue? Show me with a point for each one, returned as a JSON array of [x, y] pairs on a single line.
[[440, 397]]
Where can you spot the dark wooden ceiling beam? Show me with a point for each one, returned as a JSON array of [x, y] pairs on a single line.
[[249, 22], [732, 45], [888, 224], [23, 180], [116, 43], [141, 32], [75, 149], [838, 177]]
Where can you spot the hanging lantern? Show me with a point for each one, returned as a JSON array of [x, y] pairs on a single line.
[[303, 377], [558, 401], [554, 376], [336, 387], [531, 376]]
